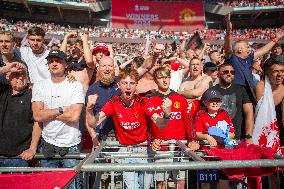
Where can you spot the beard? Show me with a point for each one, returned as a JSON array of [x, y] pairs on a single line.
[[107, 79], [225, 82]]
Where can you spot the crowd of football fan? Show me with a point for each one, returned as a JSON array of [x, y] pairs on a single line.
[[206, 34], [185, 90]]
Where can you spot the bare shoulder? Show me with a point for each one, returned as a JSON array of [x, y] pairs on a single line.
[[187, 85], [203, 81], [206, 78]]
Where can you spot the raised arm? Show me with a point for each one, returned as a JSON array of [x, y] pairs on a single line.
[[124, 64], [87, 51], [146, 66], [183, 43], [63, 46], [265, 49], [12, 67], [183, 62], [228, 37], [93, 120]]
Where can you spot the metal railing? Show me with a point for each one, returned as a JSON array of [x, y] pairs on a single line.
[[105, 161]]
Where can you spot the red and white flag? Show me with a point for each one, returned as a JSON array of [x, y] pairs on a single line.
[[265, 131]]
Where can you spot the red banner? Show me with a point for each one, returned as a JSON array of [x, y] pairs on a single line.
[[43, 180], [173, 16]]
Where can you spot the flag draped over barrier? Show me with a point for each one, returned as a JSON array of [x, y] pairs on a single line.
[[42, 180]]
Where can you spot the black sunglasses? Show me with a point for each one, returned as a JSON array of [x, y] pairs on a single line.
[[229, 71]]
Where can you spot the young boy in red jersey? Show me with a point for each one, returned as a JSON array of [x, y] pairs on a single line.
[[214, 123], [215, 126], [179, 126], [129, 115]]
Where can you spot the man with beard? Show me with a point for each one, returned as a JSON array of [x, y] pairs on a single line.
[[195, 86], [236, 102], [35, 55], [105, 88], [129, 113], [80, 58]]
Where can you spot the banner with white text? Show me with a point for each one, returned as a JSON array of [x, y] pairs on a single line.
[[156, 15]]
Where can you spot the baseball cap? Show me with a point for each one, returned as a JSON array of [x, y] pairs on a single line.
[[57, 53], [101, 46], [209, 66], [211, 94]]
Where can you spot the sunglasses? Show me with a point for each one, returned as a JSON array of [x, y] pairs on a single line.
[[228, 71]]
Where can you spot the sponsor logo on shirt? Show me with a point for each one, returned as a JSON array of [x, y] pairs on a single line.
[[130, 125], [153, 108], [175, 115]]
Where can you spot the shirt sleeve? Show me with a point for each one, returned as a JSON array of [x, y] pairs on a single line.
[[199, 123], [188, 120], [108, 108], [79, 96], [250, 58], [37, 93], [89, 92], [245, 96]]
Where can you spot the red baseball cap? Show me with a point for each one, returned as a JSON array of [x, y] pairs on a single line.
[[101, 46]]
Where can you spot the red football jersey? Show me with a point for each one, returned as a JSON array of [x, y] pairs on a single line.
[[180, 123], [203, 121], [130, 122]]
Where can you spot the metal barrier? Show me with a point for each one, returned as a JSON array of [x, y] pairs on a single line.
[[104, 167], [105, 162]]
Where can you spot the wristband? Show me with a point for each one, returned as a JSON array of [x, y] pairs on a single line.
[[248, 136]]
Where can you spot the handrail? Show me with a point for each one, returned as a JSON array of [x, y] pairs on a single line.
[[193, 165]]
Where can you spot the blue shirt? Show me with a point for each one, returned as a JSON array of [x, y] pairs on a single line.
[[241, 67], [105, 93]]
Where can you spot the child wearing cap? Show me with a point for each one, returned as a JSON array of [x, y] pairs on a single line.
[[212, 123]]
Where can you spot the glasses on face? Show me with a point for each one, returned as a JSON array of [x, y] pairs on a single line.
[[225, 72]]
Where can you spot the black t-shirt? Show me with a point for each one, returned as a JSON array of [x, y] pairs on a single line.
[[16, 121], [233, 99]]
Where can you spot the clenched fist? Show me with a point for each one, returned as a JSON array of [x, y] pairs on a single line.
[[156, 144], [92, 99], [166, 106]]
